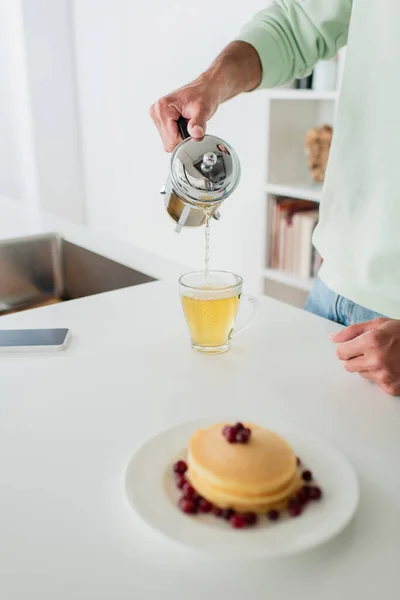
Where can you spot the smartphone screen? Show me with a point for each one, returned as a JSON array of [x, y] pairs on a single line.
[[14, 338]]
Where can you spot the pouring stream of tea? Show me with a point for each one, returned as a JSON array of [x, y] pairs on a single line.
[[207, 257]]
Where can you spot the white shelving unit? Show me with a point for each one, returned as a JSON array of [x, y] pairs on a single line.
[[289, 279], [291, 114], [289, 94], [299, 191]]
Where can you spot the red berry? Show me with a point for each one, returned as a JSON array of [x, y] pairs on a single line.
[[295, 507], [187, 506], [180, 467], [307, 475], [230, 435], [239, 426], [218, 512], [293, 502], [204, 505], [188, 491], [273, 515], [243, 436], [238, 521], [295, 510], [302, 496], [251, 518], [180, 480], [315, 493], [227, 513]]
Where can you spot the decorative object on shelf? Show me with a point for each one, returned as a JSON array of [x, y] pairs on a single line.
[[304, 83], [318, 144], [325, 75]]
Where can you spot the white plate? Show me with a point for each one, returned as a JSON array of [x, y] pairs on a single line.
[[151, 492]]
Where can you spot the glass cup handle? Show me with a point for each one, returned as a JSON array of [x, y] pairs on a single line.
[[255, 303]]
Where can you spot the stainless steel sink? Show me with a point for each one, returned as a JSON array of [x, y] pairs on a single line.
[[44, 269]]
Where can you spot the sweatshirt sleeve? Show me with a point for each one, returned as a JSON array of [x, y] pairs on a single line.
[[291, 36]]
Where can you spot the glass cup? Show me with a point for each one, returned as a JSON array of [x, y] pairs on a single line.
[[210, 306]]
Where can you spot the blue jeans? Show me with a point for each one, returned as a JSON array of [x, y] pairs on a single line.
[[325, 303]]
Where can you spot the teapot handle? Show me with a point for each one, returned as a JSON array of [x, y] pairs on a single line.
[[182, 126]]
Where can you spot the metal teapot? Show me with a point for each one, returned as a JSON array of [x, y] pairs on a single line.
[[202, 174]]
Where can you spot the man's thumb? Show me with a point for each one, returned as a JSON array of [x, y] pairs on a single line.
[[353, 331], [197, 127]]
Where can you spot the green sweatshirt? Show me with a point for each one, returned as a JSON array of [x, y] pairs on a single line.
[[358, 234]]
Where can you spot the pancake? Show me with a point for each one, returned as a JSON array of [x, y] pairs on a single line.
[[257, 476]]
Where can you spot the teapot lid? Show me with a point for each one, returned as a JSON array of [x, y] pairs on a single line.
[[205, 171]]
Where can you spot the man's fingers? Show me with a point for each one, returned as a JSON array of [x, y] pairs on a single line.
[[196, 102], [167, 111], [349, 333], [358, 364], [370, 375], [196, 131], [361, 338], [353, 331], [170, 134], [197, 126], [165, 116], [355, 347]]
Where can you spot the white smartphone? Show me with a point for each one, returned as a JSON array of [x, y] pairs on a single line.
[[33, 340]]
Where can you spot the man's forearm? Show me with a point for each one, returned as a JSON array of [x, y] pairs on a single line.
[[237, 69]]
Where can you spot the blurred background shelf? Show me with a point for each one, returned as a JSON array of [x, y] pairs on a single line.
[[288, 94], [302, 283], [310, 192], [291, 114]]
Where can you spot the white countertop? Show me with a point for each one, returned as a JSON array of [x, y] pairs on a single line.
[[70, 422]]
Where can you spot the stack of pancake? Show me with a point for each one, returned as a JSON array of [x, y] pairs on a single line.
[[254, 477]]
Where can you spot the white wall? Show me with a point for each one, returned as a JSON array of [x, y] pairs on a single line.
[[127, 55], [12, 119], [48, 39], [40, 152]]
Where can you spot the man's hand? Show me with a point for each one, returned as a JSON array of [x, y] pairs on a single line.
[[197, 102], [372, 349], [237, 69]]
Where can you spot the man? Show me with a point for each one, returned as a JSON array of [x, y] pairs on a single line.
[[358, 234]]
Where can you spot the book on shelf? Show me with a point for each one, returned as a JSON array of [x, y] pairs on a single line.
[[292, 227]]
